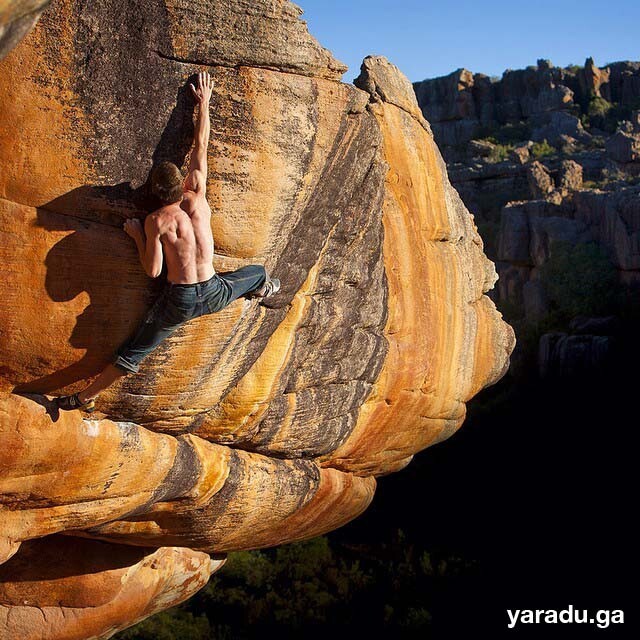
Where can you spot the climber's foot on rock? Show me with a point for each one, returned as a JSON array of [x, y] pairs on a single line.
[[270, 288], [73, 402]]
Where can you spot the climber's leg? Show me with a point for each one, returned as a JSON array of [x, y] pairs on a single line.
[[85, 399], [252, 279], [244, 280], [102, 382], [175, 306], [170, 311]]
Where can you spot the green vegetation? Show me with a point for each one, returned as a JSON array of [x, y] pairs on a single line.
[[174, 624], [606, 115], [310, 587], [598, 107], [612, 178], [500, 153], [579, 280], [542, 149]]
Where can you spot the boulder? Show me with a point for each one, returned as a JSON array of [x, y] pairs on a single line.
[[527, 92], [521, 153], [541, 183], [514, 236], [481, 148], [483, 91], [264, 423], [535, 301], [511, 283], [566, 144], [594, 81], [545, 232], [623, 146], [569, 177], [455, 133], [448, 97], [624, 82]]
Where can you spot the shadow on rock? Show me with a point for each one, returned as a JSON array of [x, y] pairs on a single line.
[[98, 259]]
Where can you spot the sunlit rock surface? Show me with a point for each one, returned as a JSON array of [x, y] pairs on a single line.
[[63, 587], [264, 423]]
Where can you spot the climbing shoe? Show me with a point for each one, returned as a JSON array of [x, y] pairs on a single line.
[[270, 288], [70, 403]]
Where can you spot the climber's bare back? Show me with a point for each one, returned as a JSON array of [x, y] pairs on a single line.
[[186, 237]]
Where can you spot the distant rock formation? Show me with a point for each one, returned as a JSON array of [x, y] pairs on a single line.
[[459, 106], [545, 157], [256, 426]]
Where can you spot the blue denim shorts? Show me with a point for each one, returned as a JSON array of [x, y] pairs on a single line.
[[179, 303]]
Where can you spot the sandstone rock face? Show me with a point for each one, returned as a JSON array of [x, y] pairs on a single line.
[[556, 126], [264, 423], [543, 156], [101, 589], [17, 18]]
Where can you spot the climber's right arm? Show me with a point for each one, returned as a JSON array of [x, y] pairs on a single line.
[[197, 176]]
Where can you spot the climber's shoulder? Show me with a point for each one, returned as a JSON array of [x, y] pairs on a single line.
[[194, 203], [196, 182]]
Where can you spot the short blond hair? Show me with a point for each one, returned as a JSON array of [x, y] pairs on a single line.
[[166, 183]]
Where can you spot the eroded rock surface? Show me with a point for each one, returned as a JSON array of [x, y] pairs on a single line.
[[65, 587], [264, 423], [17, 18]]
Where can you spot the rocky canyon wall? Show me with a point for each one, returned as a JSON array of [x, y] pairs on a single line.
[[261, 424], [548, 160]]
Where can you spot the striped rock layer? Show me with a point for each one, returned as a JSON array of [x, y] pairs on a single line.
[[263, 423]]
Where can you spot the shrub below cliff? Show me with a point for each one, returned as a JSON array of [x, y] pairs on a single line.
[[579, 280], [542, 149], [317, 587]]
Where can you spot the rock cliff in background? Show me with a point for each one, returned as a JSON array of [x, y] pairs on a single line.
[[462, 105], [548, 160], [264, 423]]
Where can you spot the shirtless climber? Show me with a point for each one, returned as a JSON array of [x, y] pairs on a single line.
[[180, 233]]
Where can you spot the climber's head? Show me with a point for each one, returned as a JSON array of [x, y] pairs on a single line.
[[166, 183]]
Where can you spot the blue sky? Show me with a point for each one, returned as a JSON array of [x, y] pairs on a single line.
[[428, 38]]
